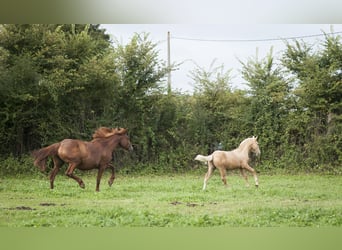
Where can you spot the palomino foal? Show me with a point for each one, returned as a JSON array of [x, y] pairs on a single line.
[[235, 159]]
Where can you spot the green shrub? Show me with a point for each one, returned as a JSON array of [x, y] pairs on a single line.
[[14, 166]]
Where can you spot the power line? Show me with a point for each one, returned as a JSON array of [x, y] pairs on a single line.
[[254, 40]]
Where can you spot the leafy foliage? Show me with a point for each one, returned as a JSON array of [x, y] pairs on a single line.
[[317, 110], [64, 81], [269, 95]]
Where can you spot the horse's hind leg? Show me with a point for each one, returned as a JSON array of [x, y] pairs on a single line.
[[57, 164], [69, 173], [53, 175], [223, 174], [211, 169], [243, 172], [112, 177]]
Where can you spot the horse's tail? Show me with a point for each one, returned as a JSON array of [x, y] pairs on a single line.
[[40, 156], [204, 158]]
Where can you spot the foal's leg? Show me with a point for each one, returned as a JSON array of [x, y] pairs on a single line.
[[223, 173], [69, 173], [112, 177], [247, 167], [243, 172], [211, 169], [57, 164]]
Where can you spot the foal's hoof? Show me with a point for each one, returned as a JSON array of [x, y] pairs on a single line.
[[256, 186], [82, 185], [110, 183]]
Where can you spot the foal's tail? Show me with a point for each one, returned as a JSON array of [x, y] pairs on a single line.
[[41, 155], [204, 158]]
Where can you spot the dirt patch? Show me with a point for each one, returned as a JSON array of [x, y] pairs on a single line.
[[44, 204], [47, 204], [192, 204], [22, 208], [175, 203]]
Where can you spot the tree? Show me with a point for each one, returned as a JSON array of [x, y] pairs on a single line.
[[269, 94], [140, 74], [48, 83], [217, 111], [318, 94]]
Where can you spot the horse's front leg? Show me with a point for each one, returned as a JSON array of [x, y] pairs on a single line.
[[69, 173], [112, 177], [99, 176], [250, 169]]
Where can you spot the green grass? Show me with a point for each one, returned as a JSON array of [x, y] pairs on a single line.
[[172, 201]]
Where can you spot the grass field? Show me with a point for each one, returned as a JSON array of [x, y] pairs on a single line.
[[172, 201]]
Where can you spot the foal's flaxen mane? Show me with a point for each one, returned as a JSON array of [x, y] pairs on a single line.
[[242, 144], [104, 132]]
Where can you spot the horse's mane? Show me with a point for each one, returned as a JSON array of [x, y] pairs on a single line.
[[104, 132], [243, 143]]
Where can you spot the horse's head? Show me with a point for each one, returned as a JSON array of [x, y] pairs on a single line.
[[104, 132], [254, 146], [124, 139]]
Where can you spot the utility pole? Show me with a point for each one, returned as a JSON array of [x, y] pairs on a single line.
[[168, 64]]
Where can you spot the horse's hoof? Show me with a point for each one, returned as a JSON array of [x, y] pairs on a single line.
[[110, 183], [256, 186], [82, 185]]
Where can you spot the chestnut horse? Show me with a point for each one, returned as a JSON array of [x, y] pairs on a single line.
[[235, 159], [84, 155]]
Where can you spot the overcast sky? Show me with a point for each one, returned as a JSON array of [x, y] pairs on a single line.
[[203, 53]]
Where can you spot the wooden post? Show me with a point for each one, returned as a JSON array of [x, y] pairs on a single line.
[[168, 64]]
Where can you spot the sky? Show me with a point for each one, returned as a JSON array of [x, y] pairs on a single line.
[[193, 53], [171, 11]]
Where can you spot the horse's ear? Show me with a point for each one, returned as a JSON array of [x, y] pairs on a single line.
[[123, 131]]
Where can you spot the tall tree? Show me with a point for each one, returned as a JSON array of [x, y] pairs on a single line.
[[319, 93], [140, 75], [269, 92], [217, 111], [48, 82]]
